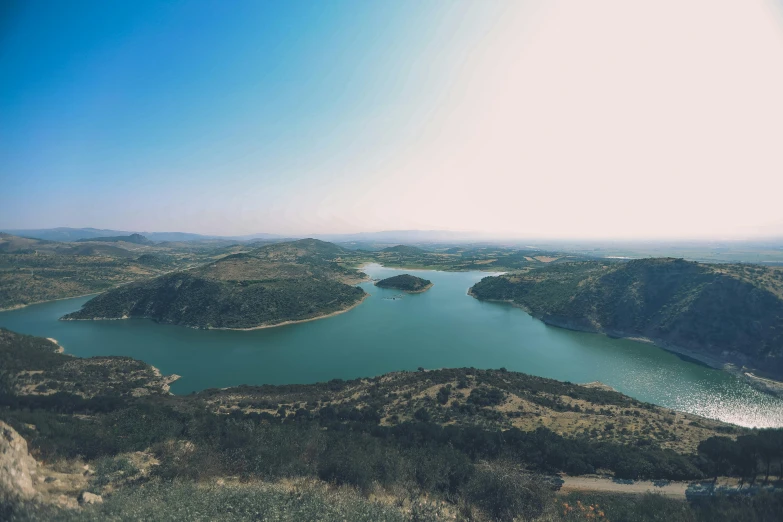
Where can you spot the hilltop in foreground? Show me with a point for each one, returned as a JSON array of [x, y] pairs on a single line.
[[107, 442], [269, 286], [717, 313]]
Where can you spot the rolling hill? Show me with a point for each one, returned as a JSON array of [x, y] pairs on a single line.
[[406, 283], [404, 250], [63, 233], [131, 238], [716, 313], [274, 284], [24, 245], [34, 270]]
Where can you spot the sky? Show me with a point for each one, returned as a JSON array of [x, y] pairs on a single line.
[[529, 119]]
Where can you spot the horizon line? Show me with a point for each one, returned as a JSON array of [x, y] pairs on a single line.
[[466, 235]]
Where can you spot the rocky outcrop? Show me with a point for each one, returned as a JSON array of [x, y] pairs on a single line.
[[17, 467], [24, 479], [90, 498]]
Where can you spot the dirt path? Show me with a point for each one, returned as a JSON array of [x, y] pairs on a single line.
[[668, 488], [672, 489]]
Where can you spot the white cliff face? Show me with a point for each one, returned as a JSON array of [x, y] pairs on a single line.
[[17, 467]]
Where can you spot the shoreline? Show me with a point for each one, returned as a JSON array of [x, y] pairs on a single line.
[[284, 323], [421, 291], [763, 384], [19, 307], [60, 349], [166, 380], [259, 327], [420, 269]]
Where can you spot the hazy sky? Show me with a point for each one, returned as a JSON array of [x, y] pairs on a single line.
[[530, 119]]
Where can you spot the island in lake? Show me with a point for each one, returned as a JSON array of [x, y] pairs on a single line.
[[406, 283]]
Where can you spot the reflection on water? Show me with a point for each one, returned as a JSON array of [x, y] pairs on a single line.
[[443, 327]]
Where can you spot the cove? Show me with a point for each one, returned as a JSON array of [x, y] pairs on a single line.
[[443, 327]]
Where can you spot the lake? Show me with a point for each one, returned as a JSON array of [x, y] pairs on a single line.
[[443, 327]]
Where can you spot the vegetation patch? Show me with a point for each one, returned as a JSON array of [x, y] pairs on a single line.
[[424, 445], [275, 284], [406, 283], [719, 313]]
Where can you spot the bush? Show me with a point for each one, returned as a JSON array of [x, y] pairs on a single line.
[[184, 500], [505, 493], [486, 396], [444, 393]]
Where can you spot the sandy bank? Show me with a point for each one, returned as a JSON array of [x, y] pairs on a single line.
[[60, 349], [284, 323], [259, 327]]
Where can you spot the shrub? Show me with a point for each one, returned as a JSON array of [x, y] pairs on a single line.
[[506, 494]]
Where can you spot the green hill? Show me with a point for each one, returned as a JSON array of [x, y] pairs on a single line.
[[404, 250], [96, 249], [406, 283], [302, 248], [34, 270], [132, 238], [718, 313], [15, 244], [278, 283]]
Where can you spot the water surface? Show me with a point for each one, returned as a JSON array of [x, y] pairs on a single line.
[[443, 327]]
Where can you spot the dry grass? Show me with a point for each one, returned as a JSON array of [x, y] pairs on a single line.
[[679, 431], [546, 259]]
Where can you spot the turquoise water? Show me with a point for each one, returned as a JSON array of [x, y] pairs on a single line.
[[443, 327]]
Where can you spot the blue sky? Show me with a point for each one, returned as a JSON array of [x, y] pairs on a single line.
[[344, 116], [113, 108]]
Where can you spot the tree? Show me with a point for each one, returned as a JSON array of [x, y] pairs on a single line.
[[444, 393], [721, 453], [748, 456], [770, 447], [765, 445]]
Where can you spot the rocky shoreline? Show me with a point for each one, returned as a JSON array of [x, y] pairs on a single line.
[[733, 366]]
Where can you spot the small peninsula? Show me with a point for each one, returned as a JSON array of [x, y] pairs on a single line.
[[406, 283], [717, 313], [273, 285]]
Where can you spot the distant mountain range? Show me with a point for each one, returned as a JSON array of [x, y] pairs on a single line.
[[404, 249], [133, 238], [389, 236], [405, 236], [67, 234], [767, 251]]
